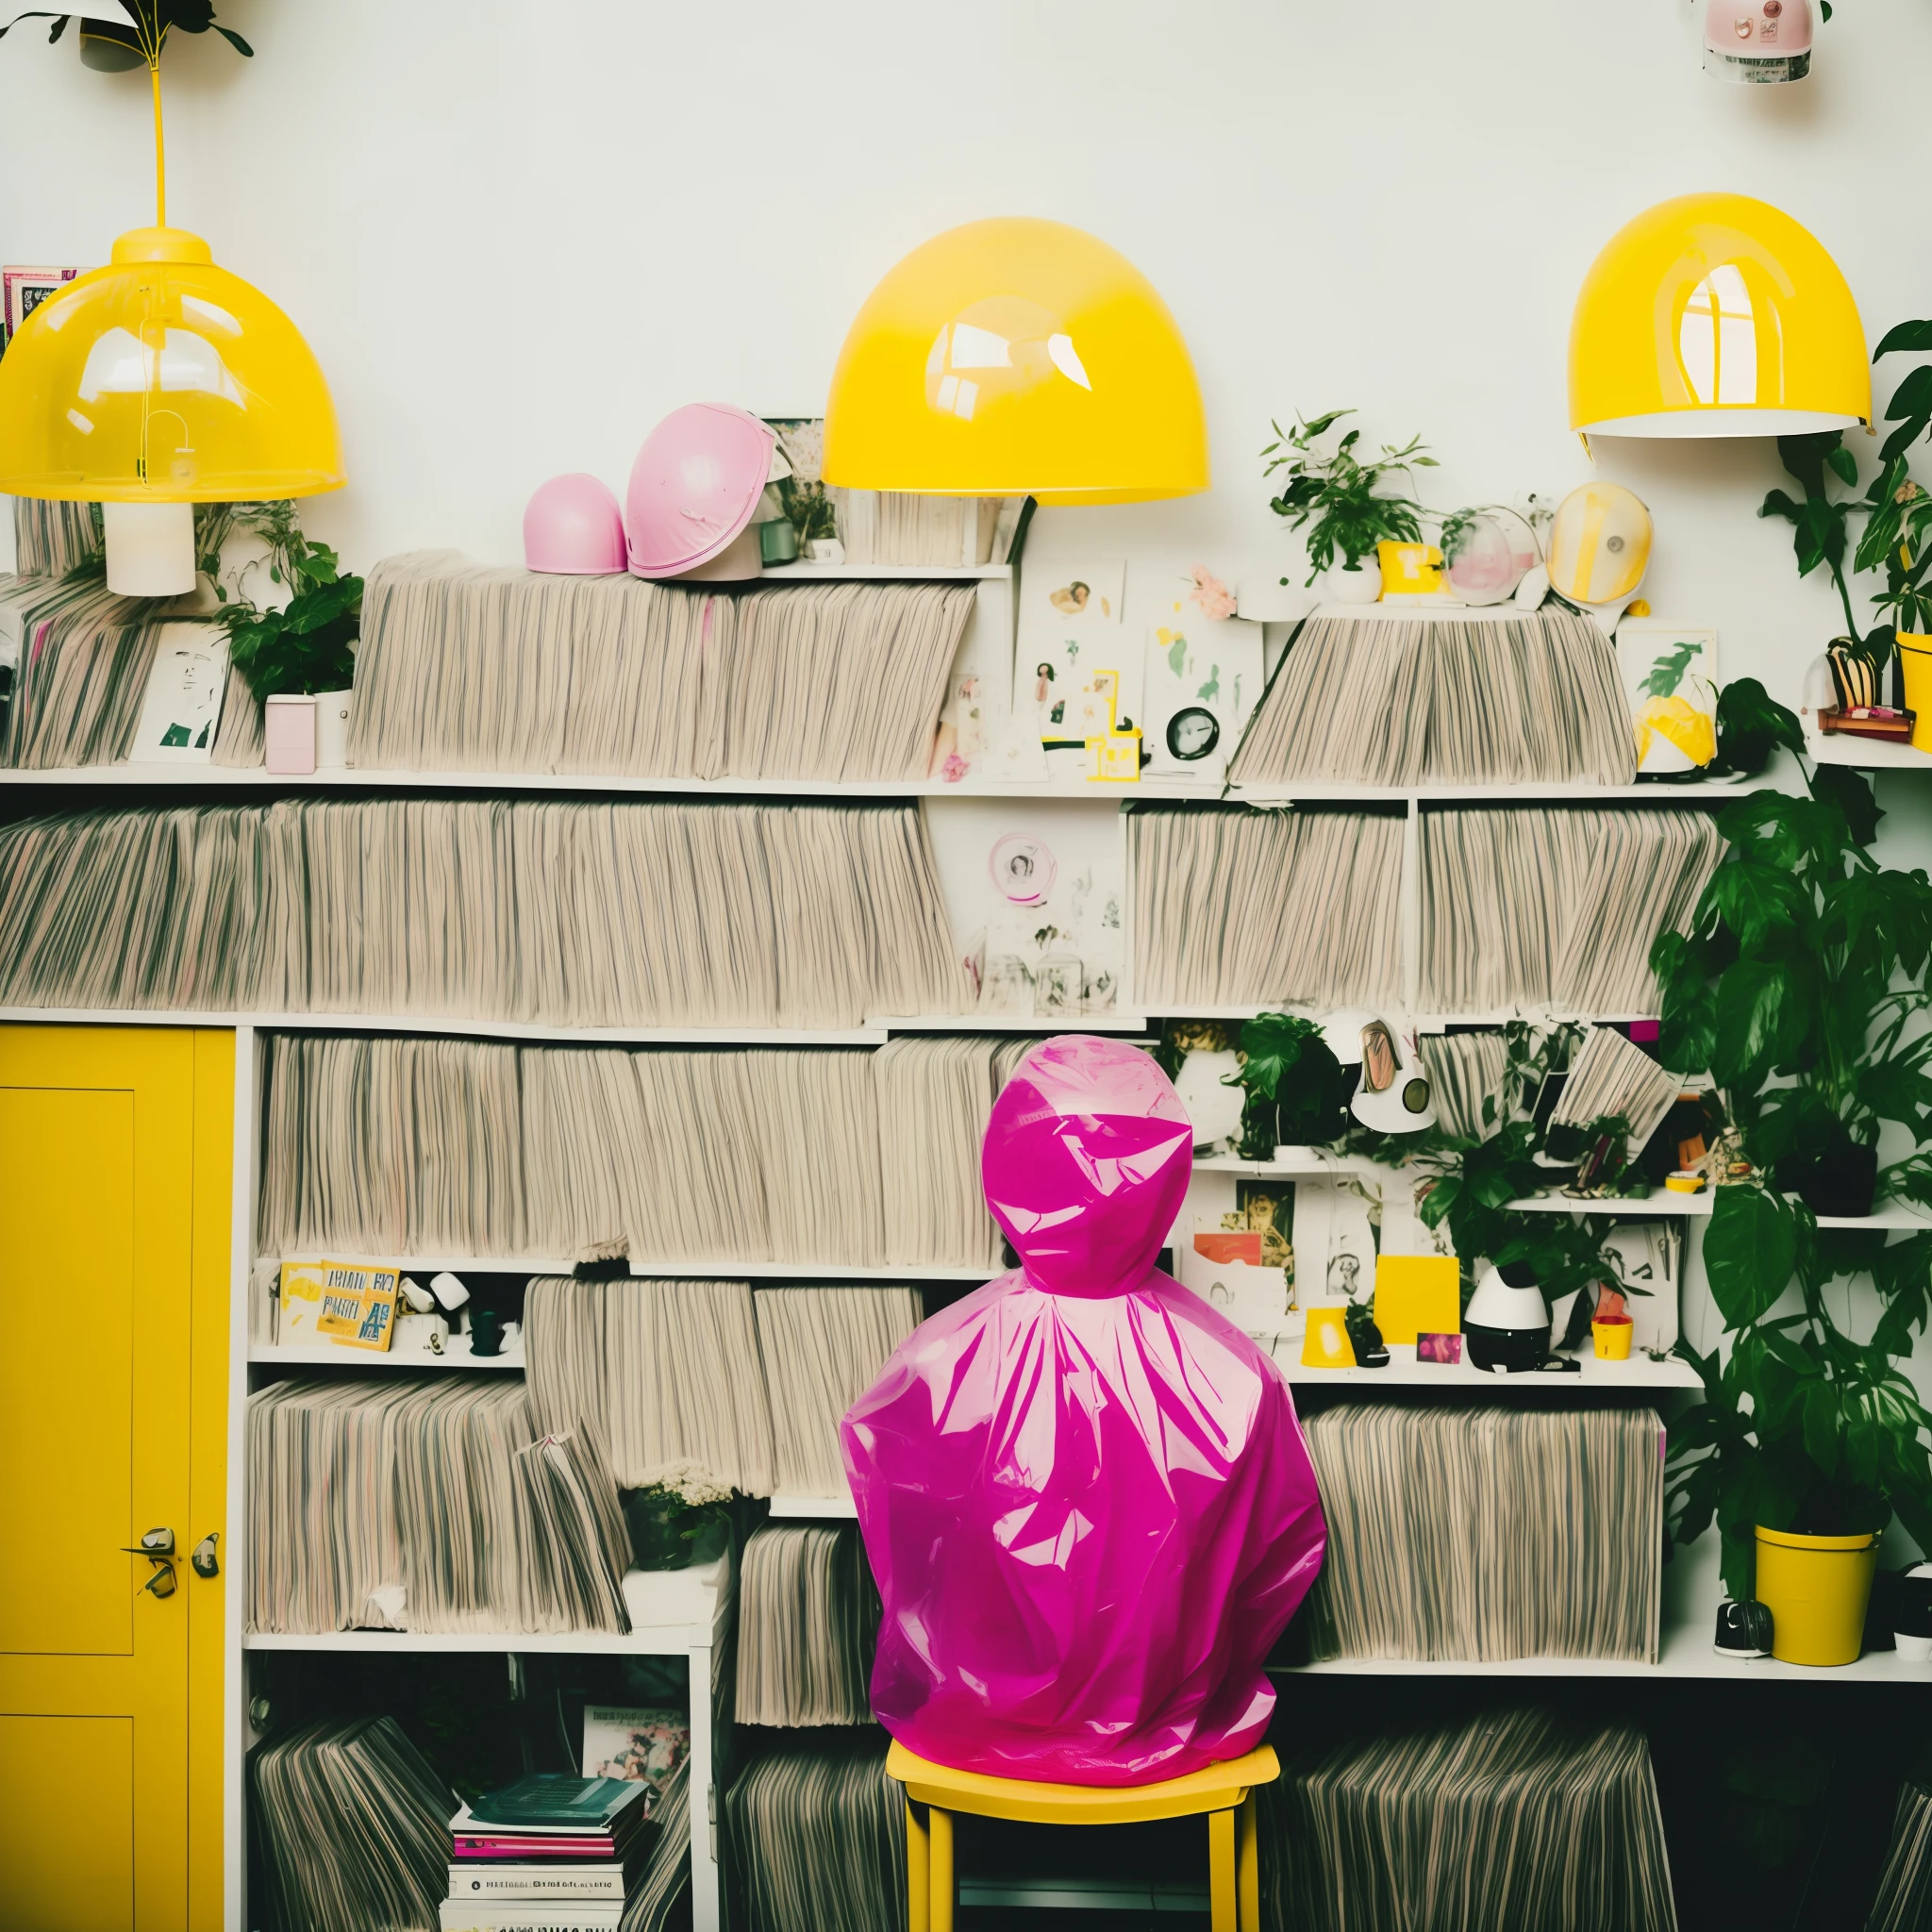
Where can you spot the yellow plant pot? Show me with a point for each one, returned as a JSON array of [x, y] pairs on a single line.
[[1612, 1338], [1816, 1588], [1915, 658]]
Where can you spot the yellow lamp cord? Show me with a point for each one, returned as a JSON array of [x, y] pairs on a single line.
[[153, 68]]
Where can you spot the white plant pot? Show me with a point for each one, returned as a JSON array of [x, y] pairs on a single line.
[[288, 729], [332, 729], [1361, 585]]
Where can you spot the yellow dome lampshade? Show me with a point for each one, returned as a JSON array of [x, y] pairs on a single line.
[[1012, 358], [1716, 315], [159, 382], [162, 378]]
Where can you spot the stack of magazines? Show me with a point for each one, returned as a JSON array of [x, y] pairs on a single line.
[[1236, 907], [1903, 1903], [1516, 698], [1537, 912], [354, 1828], [1467, 1074], [427, 1505], [549, 1854], [464, 668], [1612, 1078], [1515, 1819], [808, 1626], [818, 1834], [829, 1157], [705, 914], [1485, 1534]]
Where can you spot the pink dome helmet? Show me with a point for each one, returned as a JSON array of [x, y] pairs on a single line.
[[694, 489], [572, 528]]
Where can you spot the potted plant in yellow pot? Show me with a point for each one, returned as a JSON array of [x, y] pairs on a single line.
[[1802, 974], [1348, 505]]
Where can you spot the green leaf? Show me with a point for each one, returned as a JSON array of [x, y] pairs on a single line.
[[235, 40], [1760, 1020], [1750, 1253], [1821, 1424], [1759, 903], [1916, 336], [1843, 463], [1750, 722], [1850, 792]]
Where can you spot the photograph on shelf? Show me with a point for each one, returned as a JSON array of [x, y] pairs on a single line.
[[1201, 678], [1052, 942], [1670, 677], [641, 1745], [1071, 678], [23, 289], [182, 705]]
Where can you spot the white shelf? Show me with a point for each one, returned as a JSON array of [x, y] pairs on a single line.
[[1018, 1022], [1698, 1207], [1405, 1372], [461, 1265], [1714, 793], [805, 572], [813, 1509], [1314, 1166], [1871, 753], [413, 1360], [599, 784], [670, 1612], [1692, 1591]]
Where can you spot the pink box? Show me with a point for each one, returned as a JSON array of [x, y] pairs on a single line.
[[288, 734]]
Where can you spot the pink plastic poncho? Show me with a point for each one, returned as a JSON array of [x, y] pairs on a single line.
[[1084, 1491]]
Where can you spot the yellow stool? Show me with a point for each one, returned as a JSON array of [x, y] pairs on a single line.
[[1221, 1790]]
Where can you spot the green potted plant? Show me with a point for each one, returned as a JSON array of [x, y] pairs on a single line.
[[1292, 1085], [682, 1518], [299, 657], [1785, 988], [1344, 502]]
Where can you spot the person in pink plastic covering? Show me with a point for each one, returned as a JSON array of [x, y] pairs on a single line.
[[1084, 1491]]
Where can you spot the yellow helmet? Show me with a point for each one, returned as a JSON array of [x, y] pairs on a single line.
[[1599, 545]]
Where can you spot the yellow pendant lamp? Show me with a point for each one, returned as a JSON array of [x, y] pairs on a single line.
[[1716, 315], [1012, 358], [159, 382]]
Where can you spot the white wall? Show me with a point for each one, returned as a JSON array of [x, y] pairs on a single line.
[[518, 234]]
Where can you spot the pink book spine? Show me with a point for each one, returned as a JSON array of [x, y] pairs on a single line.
[[472, 1845]]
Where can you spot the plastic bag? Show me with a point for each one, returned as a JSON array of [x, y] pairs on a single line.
[[1084, 1491]]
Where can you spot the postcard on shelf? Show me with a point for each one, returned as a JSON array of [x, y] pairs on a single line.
[[643, 1745], [1201, 678], [1070, 674], [182, 705], [337, 1302], [1668, 673], [25, 289]]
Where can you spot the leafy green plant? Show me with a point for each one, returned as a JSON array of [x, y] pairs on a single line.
[[1339, 498], [1802, 1428], [1294, 1084], [306, 645], [1784, 986], [154, 20]]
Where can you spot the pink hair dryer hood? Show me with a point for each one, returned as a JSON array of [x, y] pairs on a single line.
[[695, 487], [572, 528], [1083, 1490]]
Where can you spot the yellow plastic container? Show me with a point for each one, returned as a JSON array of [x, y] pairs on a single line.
[[1612, 1338], [1326, 1344], [1915, 657], [1816, 1588]]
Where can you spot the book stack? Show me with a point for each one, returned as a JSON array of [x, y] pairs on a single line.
[[549, 1854], [834, 1158], [1467, 1074], [1235, 907], [1555, 911], [1530, 697], [1485, 1535], [464, 668], [708, 914], [1515, 1818]]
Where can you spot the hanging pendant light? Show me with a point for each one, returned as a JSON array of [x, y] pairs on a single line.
[[159, 382], [1716, 315], [1014, 358]]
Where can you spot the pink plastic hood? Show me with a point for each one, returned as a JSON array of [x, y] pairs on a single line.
[[695, 486], [1083, 1490]]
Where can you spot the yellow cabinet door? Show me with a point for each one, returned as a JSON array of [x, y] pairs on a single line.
[[115, 1184]]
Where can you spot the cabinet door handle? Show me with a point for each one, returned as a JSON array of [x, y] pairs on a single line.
[[161, 1583], [157, 1542], [203, 1560]]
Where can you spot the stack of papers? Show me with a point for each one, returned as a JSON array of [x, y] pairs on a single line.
[[807, 1627]]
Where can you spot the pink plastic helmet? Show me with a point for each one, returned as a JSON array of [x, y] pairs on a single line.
[[572, 528], [695, 487]]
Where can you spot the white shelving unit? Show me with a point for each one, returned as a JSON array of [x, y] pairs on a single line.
[[673, 1613], [461, 1265], [1692, 1591], [1699, 1207], [813, 1510], [1594, 1378]]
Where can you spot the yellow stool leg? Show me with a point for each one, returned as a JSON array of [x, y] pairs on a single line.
[[1248, 1868], [942, 1831], [1221, 1870], [918, 1874]]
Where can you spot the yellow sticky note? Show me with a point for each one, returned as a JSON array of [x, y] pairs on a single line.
[[1417, 1294]]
